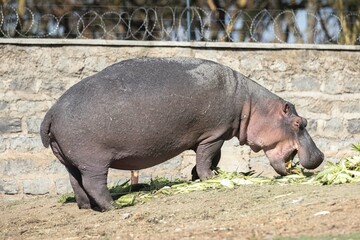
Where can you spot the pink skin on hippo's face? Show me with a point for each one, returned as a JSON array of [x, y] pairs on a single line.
[[281, 133]]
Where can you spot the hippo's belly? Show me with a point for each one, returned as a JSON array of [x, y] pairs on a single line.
[[141, 161]]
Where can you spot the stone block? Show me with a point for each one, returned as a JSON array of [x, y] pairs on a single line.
[[234, 160], [33, 125], [234, 157], [9, 187], [278, 86], [55, 166], [305, 83], [2, 84], [116, 177], [26, 143], [168, 168], [334, 83], [311, 126], [187, 164], [94, 64], [348, 106], [311, 65], [3, 105], [211, 55], [171, 163], [17, 167], [9, 125], [56, 88], [261, 165], [332, 148], [29, 84], [334, 126], [312, 104], [252, 63], [66, 65], [279, 66], [63, 186], [354, 126], [351, 85], [37, 186], [3, 144], [27, 108], [233, 142]]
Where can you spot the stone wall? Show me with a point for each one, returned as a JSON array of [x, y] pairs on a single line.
[[323, 84]]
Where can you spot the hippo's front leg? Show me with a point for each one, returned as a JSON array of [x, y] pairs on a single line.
[[206, 155]]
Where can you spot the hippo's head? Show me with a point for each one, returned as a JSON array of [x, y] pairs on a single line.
[[282, 134]]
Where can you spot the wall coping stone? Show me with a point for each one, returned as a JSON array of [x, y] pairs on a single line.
[[194, 44]]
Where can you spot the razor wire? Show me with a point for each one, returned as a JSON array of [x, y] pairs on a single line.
[[170, 24]]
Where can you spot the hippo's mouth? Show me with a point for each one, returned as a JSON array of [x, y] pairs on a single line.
[[282, 165], [288, 160]]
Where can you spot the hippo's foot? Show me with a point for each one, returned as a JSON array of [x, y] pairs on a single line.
[[85, 202], [100, 209], [206, 175], [93, 205], [207, 159]]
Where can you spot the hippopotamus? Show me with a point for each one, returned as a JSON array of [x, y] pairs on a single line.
[[141, 112]]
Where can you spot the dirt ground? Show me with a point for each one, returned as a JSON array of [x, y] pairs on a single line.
[[247, 212]]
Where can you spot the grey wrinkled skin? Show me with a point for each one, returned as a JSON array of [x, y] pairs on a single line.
[[141, 112]]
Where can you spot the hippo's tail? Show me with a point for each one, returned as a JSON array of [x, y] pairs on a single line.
[[45, 129]]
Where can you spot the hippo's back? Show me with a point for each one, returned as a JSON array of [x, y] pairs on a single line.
[[150, 75], [147, 84]]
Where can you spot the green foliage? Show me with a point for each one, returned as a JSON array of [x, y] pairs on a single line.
[[356, 147], [162, 187], [345, 171], [65, 198], [139, 193]]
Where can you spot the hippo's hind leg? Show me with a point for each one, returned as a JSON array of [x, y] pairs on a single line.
[[207, 158], [82, 199], [90, 188], [94, 181]]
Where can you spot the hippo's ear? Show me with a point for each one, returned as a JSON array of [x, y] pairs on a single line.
[[286, 108]]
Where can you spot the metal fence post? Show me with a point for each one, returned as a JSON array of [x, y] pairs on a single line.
[[188, 20]]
